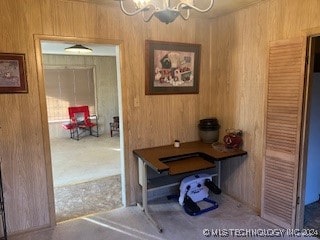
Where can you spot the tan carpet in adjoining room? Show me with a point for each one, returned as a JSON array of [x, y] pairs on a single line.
[[85, 160], [82, 199], [86, 175]]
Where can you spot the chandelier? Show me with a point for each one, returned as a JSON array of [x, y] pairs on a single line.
[[167, 13]]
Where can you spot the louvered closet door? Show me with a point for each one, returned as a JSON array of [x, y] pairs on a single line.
[[283, 126]]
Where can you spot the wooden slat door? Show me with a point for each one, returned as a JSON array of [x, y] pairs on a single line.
[[283, 127]]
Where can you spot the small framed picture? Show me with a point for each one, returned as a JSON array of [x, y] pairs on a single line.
[[172, 68], [13, 73]]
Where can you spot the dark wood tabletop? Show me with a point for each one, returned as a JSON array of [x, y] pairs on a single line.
[[190, 156]]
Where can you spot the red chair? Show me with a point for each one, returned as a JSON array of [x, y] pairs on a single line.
[[80, 122], [71, 127]]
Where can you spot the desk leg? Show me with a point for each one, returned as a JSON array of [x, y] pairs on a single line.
[[219, 173], [144, 205]]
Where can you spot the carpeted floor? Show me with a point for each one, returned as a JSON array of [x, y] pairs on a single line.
[[88, 159], [81, 199], [312, 216], [130, 223]]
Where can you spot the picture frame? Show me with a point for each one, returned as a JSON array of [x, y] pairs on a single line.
[[172, 68], [13, 73]]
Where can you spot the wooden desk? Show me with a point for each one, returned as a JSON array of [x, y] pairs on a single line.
[[153, 156], [189, 157]]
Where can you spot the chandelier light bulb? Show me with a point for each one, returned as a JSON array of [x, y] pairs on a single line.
[[141, 3]]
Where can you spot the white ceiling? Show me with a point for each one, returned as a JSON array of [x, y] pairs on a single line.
[[223, 7], [220, 7]]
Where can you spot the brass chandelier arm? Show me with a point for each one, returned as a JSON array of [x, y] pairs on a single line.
[[182, 5]]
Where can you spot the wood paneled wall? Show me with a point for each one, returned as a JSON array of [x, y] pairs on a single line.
[[158, 120], [232, 88], [239, 56]]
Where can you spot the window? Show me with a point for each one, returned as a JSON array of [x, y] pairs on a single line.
[[72, 86]]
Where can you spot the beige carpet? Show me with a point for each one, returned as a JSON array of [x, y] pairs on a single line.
[[81, 199], [88, 159]]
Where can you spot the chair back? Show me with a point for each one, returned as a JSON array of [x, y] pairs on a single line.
[[79, 114], [116, 119]]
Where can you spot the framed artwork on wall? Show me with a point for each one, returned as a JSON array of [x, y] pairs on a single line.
[[172, 68], [13, 73]]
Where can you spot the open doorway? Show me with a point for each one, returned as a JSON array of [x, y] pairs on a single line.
[[312, 166], [86, 172]]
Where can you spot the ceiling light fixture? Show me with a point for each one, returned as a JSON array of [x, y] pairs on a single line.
[[166, 13], [78, 49]]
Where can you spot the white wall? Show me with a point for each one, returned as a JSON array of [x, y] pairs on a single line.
[[106, 88], [313, 164]]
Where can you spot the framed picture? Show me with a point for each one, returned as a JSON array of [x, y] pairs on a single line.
[[172, 68], [13, 73]]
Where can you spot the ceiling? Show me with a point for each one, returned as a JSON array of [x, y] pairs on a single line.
[[223, 7], [220, 8]]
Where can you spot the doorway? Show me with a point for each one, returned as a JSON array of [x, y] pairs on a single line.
[[89, 171], [311, 199]]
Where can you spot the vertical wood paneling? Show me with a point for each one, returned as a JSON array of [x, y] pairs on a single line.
[[47, 21], [238, 70], [64, 24], [234, 82], [205, 100], [26, 199]]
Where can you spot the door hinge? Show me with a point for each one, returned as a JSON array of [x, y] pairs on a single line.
[[307, 60], [298, 200]]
